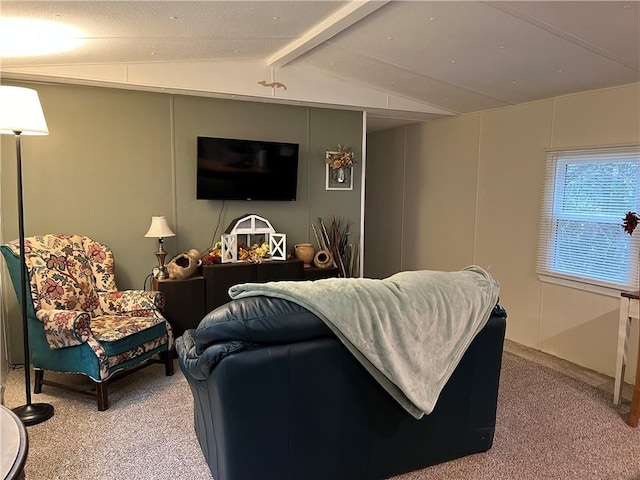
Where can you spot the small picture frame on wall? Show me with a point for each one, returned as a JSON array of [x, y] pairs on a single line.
[[339, 178]]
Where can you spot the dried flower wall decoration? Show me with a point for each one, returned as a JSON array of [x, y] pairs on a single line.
[[343, 157]]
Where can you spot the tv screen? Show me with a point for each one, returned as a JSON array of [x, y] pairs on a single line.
[[236, 169]]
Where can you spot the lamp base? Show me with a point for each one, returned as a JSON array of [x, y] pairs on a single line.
[[34, 414], [162, 273], [162, 270]]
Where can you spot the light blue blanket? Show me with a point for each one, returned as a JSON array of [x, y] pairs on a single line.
[[409, 330]]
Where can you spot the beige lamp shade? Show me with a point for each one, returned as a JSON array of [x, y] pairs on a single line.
[[20, 112], [159, 228]]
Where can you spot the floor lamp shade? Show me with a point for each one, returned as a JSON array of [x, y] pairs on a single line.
[[21, 114]]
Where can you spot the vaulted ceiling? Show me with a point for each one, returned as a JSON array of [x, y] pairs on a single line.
[[401, 61]]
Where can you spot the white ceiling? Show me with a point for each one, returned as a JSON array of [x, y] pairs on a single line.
[[424, 58]]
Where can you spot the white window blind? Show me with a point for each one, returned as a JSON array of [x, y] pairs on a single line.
[[587, 194]]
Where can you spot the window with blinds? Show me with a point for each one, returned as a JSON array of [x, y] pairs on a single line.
[[587, 194]]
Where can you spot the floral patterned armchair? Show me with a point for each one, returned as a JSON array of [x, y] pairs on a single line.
[[78, 320]]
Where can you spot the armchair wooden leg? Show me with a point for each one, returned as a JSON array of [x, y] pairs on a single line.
[[37, 380], [101, 393]]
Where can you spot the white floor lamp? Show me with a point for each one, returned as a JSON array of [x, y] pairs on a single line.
[[21, 114]]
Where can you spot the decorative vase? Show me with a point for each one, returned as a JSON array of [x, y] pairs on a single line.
[[323, 259], [340, 174], [304, 252], [184, 265]]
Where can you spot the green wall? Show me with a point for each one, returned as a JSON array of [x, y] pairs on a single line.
[[316, 130], [114, 158]]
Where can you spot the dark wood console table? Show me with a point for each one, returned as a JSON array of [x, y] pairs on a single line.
[[188, 301], [222, 276], [314, 273]]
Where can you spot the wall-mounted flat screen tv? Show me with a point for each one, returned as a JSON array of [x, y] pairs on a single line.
[[237, 169]]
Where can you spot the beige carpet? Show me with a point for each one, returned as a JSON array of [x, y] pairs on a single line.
[[550, 427]]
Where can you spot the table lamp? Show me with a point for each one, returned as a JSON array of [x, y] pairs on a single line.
[[160, 229]]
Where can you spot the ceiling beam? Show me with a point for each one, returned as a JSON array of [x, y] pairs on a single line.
[[342, 19]]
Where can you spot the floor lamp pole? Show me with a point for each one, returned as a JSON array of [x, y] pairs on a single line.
[[30, 413]]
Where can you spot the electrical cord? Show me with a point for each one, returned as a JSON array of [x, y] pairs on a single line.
[[144, 285], [215, 232]]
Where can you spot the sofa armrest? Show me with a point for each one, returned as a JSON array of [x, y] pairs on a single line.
[[65, 328], [200, 366], [141, 302], [259, 320], [242, 325]]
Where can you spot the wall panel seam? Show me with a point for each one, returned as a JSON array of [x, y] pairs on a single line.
[[404, 195], [174, 168], [477, 198]]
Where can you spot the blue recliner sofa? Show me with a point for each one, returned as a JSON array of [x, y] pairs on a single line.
[[278, 396]]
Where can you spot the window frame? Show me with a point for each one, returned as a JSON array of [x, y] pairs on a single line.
[[553, 196]]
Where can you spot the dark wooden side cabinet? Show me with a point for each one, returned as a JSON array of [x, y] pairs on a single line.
[[184, 302], [188, 301]]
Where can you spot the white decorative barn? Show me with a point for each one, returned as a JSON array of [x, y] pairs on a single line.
[[247, 227]]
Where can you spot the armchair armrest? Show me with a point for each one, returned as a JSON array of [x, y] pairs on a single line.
[[143, 302], [65, 328]]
